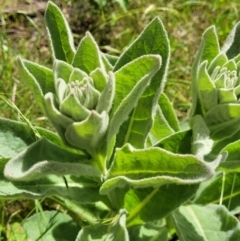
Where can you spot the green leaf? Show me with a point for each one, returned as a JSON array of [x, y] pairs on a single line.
[[111, 58], [59, 121], [43, 158], [99, 79], [127, 96], [149, 204], [219, 61], [222, 114], [201, 142], [106, 98], [223, 120], [50, 226], [38, 78], [62, 70], [77, 74], [15, 137], [59, 34], [108, 61], [88, 56], [160, 128], [77, 189], [82, 211], [219, 145], [149, 232], [14, 231], [153, 40], [232, 163], [179, 143], [191, 223], [43, 75], [153, 167], [208, 95], [230, 166], [230, 65], [220, 189], [231, 46], [53, 137], [208, 50], [88, 134], [95, 232], [227, 96], [116, 231], [165, 121], [168, 112], [131, 73]]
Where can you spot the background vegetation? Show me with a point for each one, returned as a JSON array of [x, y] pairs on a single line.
[[114, 24]]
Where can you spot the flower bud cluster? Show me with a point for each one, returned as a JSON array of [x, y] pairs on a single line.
[[78, 109]]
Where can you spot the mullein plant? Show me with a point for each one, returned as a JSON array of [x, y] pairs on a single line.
[[216, 84], [118, 158]]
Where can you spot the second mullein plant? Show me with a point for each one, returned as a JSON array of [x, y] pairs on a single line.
[[118, 158]]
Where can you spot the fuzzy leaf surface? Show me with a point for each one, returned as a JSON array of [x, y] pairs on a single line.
[[116, 231], [62, 70], [232, 163], [208, 50], [42, 74], [223, 120], [59, 34], [44, 158], [77, 189], [153, 167], [221, 189], [191, 223], [137, 74], [14, 137], [148, 231], [112, 59], [131, 73], [178, 143], [201, 141], [88, 56], [149, 204], [153, 40], [208, 95], [231, 46], [168, 112], [51, 226], [165, 121], [38, 78], [160, 128]]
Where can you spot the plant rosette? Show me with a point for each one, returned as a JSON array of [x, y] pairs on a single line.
[[119, 160], [216, 84]]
